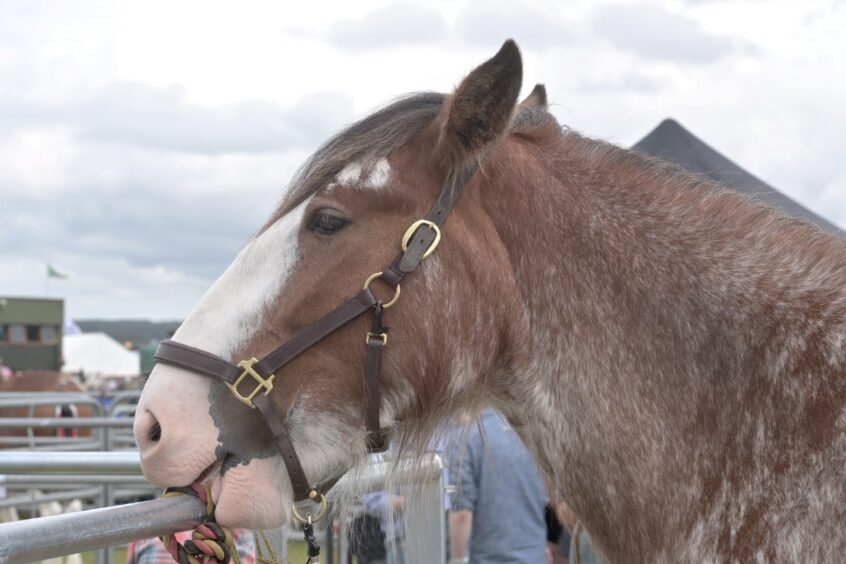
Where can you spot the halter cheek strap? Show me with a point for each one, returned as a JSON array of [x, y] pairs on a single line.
[[251, 381]]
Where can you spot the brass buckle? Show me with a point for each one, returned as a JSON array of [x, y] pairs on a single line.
[[373, 277], [409, 233], [265, 384], [376, 337], [307, 519]]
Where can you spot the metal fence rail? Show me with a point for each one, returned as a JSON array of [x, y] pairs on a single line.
[[22, 462], [48, 537], [424, 515], [52, 476], [64, 422], [49, 481]]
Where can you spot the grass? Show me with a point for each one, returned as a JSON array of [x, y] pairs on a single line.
[[120, 556]]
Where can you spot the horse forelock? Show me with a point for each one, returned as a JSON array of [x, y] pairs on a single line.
[[376, 137]]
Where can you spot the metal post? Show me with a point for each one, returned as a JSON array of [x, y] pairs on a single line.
[[424, 517], [49, 537]]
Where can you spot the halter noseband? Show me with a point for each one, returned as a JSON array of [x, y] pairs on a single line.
[[419, 241]]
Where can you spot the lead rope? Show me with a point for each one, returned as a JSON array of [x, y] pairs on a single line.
[[210, 542], [311, 541], [272, 557]]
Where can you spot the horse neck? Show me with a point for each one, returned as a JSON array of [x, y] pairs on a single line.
[[654, 305]]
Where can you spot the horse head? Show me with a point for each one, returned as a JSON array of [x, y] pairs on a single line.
[[341, 222]]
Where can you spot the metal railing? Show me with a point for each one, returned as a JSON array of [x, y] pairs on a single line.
[[97, 436], [423, 516], [94, 478], [48, 537], [19, 462]]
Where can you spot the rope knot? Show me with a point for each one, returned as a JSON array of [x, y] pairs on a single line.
[[210, 542]]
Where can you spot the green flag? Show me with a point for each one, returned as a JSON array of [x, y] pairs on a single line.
[[53, 273]]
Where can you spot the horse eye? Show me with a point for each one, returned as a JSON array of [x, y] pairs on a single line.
[[328, 221]]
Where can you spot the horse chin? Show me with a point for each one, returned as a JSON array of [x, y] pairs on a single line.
[[251, 496]]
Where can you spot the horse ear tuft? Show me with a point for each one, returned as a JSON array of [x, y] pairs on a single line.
[[480, 109], [536, 99]]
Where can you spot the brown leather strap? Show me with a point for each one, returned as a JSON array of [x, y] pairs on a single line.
[[314, 333], [282, 438], [372, 397], [196, 360], [408, 261]]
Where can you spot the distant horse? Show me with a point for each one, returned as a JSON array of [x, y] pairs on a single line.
[[672, 353], [44, 381]]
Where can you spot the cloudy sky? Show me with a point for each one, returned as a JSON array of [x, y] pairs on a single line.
[[142, 142]]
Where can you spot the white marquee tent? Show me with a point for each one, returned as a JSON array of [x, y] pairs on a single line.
[[98, 355]]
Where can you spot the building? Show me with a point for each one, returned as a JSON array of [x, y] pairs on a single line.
[[30, 333]]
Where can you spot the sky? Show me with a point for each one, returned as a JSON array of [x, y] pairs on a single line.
[[142, 143]]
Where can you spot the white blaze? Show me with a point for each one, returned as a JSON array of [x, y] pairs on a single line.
[[355, 176], [349, 175], [379, 174], [230, 312]]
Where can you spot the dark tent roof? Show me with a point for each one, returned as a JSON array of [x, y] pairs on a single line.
[[672, 142]]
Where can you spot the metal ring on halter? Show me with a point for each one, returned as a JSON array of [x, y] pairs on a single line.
[[373, 277], [413, 229], [308, 519]]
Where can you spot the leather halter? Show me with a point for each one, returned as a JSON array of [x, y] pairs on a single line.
[[419, 241]]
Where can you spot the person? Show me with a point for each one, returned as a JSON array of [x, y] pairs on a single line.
[[366, 540], [498, 507], [152, 551], [557, 535]]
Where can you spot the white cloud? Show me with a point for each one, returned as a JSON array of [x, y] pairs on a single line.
[[655, 32], [489, 23], [400, 23], [132, 113], [37, 159], [104, 287]]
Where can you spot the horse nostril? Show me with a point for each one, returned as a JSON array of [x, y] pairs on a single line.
[[155, 432]]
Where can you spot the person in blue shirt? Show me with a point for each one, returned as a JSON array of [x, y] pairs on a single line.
[[497, 511]]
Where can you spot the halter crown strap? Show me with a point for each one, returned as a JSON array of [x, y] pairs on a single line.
[[429, 231], [419, 241]]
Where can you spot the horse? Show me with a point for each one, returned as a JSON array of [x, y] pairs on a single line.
[[44, 381], [671, 352]]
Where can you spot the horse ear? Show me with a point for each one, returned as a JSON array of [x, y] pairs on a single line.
[[536, 99], [481, 108]]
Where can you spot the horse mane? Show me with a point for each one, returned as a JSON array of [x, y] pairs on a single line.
[[696, 201]]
